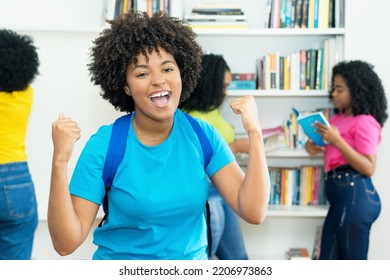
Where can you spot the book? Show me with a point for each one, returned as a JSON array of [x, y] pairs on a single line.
[[272, 141], [217, 5], [243, 76], [273, 73], [206, 18], [307, 121], [287, 73], [323, 16], [281, 72], [298, 254], [291, 5], [317, 244], [242, 84], [298, 14], [313, 68], [109, 9], [267, 23], [218, 24], [305, 14], [310, 15], [217, 12], [319, 75], [302, 69], [260, 73], [271, 138], [217, 9]]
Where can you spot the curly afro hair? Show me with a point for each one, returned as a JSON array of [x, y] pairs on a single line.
[[365, 87], [135, 33], [209, 93], [18, 61]]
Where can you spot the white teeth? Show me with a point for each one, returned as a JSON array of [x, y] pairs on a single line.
[[159, 94]]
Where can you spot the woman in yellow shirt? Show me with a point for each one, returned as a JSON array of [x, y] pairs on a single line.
[[204, 103], [18, 207]]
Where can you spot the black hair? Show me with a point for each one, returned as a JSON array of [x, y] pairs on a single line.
[[365, 87], [19, 61], [135, 33], [209, 93]]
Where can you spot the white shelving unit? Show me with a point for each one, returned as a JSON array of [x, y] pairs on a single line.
[[297, 211], [285, 226], [64, 34]]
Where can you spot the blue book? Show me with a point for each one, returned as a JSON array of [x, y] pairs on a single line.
[[307, 122], [242, 84]]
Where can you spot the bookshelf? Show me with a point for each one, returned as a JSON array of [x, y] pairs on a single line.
[[50, 23], [241, 48]]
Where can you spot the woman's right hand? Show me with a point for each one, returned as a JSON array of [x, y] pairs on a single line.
[[65, 133], [312, 148], [247, 108]]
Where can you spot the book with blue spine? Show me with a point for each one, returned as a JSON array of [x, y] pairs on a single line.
[[307, 121], [242, 84]]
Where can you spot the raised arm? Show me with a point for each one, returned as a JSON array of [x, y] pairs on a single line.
[[247, 193], [69, 218]]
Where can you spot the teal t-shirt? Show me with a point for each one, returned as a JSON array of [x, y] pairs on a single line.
[[158, 196]]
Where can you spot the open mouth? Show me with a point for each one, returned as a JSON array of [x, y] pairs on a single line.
[[160, 99]]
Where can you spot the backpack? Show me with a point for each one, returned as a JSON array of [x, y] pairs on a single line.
[[116, 151]]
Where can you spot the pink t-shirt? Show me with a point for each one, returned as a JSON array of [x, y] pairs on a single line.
[[361, 132]]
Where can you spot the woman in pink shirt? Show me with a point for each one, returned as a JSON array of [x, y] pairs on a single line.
[[350, 159]]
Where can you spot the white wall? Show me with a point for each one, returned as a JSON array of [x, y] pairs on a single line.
[[63, 85], [366, 39]]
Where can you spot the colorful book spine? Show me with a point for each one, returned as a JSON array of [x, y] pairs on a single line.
[[242, 84], [243, 76]]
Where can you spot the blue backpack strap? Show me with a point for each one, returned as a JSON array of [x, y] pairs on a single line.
[[115, 153], [207, 153], [204, 140]]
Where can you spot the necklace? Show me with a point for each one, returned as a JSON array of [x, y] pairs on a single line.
[[146, 137]]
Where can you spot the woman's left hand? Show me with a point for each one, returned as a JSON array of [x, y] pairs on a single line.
[[331, 134]]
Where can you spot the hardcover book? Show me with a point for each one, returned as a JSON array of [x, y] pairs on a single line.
[[242, 84], [307, 123], [298, 254], [243, 76], [208, 18]]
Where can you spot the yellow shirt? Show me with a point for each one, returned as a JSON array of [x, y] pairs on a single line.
[[215, 118], [15, 109]]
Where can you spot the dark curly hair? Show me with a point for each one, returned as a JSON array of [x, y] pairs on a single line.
[[209, 93], [18, 61], [135, 33], [365, 87]]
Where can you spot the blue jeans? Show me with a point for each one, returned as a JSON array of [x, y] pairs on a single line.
[[354, 206], [18, 211], [227, 240]]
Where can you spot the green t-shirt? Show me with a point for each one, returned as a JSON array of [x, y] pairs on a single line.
[[215, 118]]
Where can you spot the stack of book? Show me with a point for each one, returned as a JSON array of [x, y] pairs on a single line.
[[304, 69], [217, 15], [298, 254], [302, 186], [242, 81]]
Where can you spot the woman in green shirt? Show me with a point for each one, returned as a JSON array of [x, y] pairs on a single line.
[[204, 103]]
